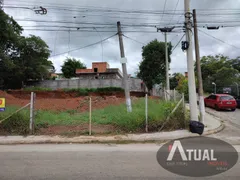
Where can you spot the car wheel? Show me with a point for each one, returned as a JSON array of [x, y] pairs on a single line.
[[217, 108], [233, 109]]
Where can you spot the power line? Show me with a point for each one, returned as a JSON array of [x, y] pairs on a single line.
[[164, 9], [174, 11], [85, 46], [178, 43], [134, 40], [218, 39]]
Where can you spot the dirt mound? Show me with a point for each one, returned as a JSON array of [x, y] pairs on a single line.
[[80, 104], [5, 95]]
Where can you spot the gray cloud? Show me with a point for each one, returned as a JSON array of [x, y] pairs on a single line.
[[58, 41]]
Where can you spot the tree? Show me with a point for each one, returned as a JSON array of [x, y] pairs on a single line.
[[183, 86], [21, 58], [69, 67], [152, 69], [174, 80], [34, 54], [219, 69]]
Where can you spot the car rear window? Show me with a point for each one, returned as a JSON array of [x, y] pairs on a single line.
[[226, 98]]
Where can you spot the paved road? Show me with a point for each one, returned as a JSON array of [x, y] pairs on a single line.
[[227, 115], [231, 120], [61, 162]]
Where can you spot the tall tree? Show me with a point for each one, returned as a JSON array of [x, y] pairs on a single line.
[[69, 67], [34, 54], [152, 69], [21, 58], [219, 69]]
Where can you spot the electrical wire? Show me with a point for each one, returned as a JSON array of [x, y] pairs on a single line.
[[178, 43], [218, 39], [163, 9], [135, 40], [68, 42], [85, 46], [174, 11], [101, 40]]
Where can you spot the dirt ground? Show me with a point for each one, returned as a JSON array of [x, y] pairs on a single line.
[[80, 104], [77, 130]]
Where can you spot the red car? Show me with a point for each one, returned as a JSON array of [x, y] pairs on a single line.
[[221, 101]]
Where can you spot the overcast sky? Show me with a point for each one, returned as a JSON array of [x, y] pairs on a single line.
[[59, 42]]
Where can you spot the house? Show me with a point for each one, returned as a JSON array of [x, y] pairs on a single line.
[[99, 70]]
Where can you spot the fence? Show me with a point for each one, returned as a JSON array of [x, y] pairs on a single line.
[[172, 95], [32, 114]]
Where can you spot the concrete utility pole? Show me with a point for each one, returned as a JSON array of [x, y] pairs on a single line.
[[199, 71], [165, 31], [191, 76], [167, 68], [124, 69]]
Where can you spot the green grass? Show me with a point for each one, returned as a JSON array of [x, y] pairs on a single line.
[[113, 115], [79, 91], [37, 89], [86, 91]]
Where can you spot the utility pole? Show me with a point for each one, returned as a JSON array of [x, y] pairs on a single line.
[[199, 71], [165, 31], [124, 69], [190, 63], [167, 68]]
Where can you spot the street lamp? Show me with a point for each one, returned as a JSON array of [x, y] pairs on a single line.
[[215, 89], [237, 89]]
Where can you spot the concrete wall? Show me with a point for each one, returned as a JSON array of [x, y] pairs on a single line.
[[134, 84]]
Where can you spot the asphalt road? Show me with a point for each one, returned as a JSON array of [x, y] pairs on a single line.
[[61, 162], [227, 115], [231, 120]]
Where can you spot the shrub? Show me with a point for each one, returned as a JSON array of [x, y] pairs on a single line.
[[17, 124], [37, 89], [86, 91]]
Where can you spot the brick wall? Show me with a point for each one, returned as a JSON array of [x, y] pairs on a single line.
[[102, 66]]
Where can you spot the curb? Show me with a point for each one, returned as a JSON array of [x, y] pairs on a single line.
[[118, 139]]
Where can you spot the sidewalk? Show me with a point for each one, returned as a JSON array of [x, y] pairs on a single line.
[[212, 124]]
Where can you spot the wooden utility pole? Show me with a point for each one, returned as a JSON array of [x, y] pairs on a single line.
[[199, 71], [124, 69]]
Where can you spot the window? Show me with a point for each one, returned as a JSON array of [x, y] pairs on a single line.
[[95, 69], [226, 98], [212, 97]]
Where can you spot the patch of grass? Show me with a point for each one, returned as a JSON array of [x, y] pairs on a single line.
[[117, 116], [37, 89], [113, 115], [86, 91]]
